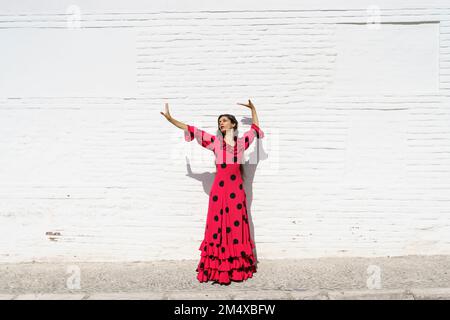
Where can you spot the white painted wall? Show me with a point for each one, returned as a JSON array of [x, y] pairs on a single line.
[[356, 157]]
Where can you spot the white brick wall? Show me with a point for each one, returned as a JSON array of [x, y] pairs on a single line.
[[356, 120]]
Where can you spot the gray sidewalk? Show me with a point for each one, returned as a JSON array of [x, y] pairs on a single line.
[[407, 277]]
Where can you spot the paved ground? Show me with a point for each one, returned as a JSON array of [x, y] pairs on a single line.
[[407, 277]]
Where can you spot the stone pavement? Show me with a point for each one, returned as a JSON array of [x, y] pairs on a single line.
[[406, 277]]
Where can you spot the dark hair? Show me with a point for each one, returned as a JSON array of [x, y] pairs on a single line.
[[231, 118], [235, 122]]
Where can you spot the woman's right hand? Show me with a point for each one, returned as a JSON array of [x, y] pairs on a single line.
[[167, 113], [173, 121]]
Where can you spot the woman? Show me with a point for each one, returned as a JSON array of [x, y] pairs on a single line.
[[226, 250]]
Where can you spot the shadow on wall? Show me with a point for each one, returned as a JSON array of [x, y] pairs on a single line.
[[249, 170]]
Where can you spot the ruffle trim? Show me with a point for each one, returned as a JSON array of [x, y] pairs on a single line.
[[236, 263], [189, 134], [259, 133]]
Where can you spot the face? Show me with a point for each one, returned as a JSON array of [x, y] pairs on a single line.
[[225, 124]]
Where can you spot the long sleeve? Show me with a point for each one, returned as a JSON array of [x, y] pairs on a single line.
[[250, 135], [203, 138]]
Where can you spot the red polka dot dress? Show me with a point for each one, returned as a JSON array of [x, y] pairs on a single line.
[[227, 247]]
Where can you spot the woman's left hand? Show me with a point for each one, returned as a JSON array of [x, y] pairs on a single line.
[[248, 105]]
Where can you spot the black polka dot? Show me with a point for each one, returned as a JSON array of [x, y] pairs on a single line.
[[223, 249], [243, 253], [212, 139], [236, 223], [215, 235], [228, 229], [227, 209], [221, 183], [235, 159], [217, 245], [204, 248], [221, 211], [205, 272], [211, 244], [240, 186], [216, 218], [215, 198], [232, 195], [235, 241], [250, 260], [239, 205], [230, 259], [223, 165], [202, 265], [233, 177], [219, 230]]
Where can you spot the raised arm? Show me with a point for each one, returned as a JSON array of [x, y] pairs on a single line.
[[255, 131], [254, 114], [172, 120], [203, 138]]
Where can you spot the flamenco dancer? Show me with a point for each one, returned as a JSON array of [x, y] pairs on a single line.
[[227, 247]]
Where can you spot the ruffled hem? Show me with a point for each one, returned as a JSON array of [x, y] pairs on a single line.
[[235, 263], [224, 252]]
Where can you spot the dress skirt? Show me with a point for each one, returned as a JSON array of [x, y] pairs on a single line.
[[227, 245]]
